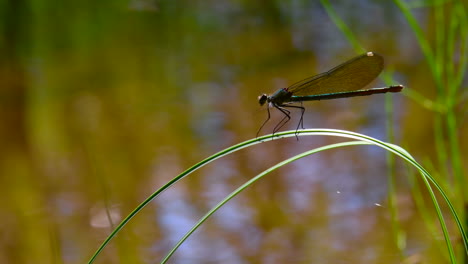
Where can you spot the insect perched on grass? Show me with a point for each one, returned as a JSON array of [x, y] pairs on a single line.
[[345, 80]]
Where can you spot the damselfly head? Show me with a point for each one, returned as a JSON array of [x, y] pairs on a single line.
[[262, 99]]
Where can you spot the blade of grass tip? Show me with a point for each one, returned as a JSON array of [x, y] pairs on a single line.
[[249, 183]]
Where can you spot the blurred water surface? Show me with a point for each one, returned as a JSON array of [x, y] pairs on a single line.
[[102, 102]]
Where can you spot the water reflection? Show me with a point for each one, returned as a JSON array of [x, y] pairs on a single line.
[[104, 102]]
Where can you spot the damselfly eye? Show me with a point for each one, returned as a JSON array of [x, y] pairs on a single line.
[[262, 99]]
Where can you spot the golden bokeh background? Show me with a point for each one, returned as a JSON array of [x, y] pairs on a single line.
[[103, 102]]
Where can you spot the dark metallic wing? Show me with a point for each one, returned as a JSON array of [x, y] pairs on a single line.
[[351, 75]]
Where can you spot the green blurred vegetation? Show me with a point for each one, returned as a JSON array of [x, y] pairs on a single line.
[[102, 102]]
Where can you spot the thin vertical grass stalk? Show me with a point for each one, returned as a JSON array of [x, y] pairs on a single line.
[[397, 232]]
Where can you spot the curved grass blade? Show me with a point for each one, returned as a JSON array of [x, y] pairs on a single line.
[[363, 140], [250, 182], [327, 132]]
